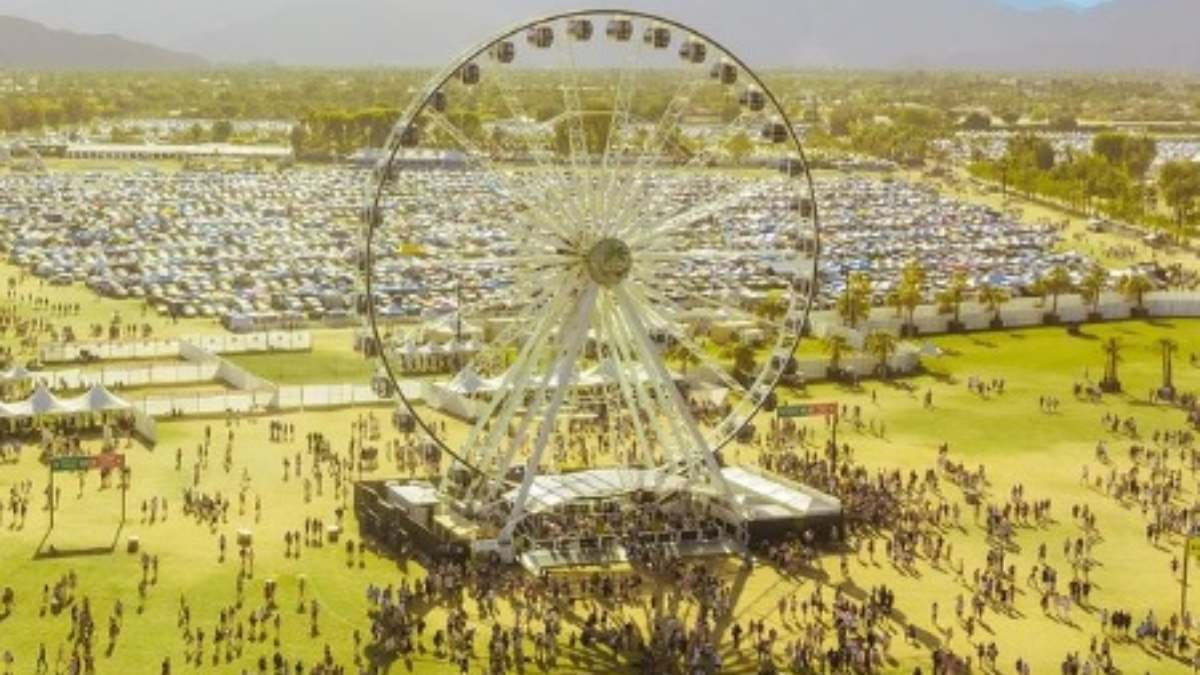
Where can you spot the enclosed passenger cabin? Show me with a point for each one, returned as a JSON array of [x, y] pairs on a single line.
[[469, 73], [503, 51], [580, 29], [775, 132], [619, 29], [410, 136], [724, 71], [541, 37], [753, 99], [657, 36], [437, 101], [693, 50]]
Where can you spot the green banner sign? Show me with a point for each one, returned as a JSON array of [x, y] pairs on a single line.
[[103, 461], [807, 410], [82, 463]]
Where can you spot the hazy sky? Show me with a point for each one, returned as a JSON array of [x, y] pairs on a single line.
[[1156, 34]]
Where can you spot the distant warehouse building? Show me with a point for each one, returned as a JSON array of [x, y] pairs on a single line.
[[411, 159], [192, 151]]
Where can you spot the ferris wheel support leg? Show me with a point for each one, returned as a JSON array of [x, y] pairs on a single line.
[[573, 343], [700, 451]]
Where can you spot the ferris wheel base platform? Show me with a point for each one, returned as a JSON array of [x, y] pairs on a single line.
[[548, 560], [764, 509]]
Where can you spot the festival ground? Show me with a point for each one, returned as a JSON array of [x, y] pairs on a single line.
[[1007, 433]]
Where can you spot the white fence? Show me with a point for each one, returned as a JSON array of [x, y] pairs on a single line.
[[110, 351], [273, 341], [205, 404], [1018, 313], [128, 376], [283, 398], [159, 349]]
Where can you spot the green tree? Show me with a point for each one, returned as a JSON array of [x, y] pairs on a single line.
[[976, 121], [1179, 183], [1135, 287], [738, 147], [836, 347], [1112, 353], [595, 126], [881, 345], [1093, 286], [1057, 282], [854, 304], [955, 294], [993, 297], [222, 130]]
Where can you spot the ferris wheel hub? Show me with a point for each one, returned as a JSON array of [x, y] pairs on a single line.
[[609, 261]]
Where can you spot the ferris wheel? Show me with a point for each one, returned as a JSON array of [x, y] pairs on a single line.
[[610, 219], [19, 152]]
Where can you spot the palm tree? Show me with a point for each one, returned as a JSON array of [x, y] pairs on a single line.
[[681, 354], [772, 307], [1112, 353], [854, 303], [993, 297], [1057, 282], [910, 297], [894, 301], [1135, 287], [743, 359], [1169, 347], [954, 296], [881, 345], [1093, 286], [836, 346]]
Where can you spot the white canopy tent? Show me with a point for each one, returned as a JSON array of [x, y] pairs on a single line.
[[43, 403], [17, 374]]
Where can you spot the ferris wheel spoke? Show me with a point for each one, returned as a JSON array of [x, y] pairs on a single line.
[[634, 399], [679, 222], [620, 122], [709, 152], [657, 290], [651, 395], [660, 320], [700, 451], [705, 255], [552, 182], [508, 394], [525, 317], [577, 142], [548, 223], [631, 196], [572, 342]]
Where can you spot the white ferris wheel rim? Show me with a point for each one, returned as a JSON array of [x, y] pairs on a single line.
[[634, 305]]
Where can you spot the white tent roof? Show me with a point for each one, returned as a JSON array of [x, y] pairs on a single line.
[[551, 490], [43, 402], [98, 398], [17, 374], [467, 381]]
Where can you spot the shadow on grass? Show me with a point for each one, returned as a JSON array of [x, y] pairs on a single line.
[[49, 552], [1159, 323]]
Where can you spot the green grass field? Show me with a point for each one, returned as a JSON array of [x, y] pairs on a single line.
[[331, 360], [1007, 433]]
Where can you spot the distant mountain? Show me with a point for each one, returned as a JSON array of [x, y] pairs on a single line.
[[890, 34], [935, 34], [26, 44]]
